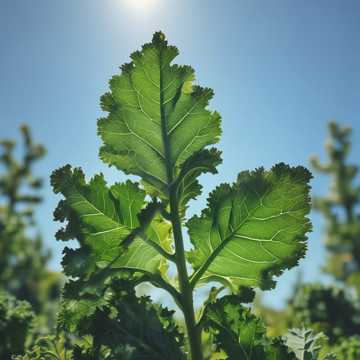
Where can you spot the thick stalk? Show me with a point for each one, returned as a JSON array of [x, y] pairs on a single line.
[[194, 334], [186, 293]]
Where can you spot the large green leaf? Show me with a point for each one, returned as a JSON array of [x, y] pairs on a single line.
[[240, 334], [102, 218], [253, 229], [125, 321], [158, 120]]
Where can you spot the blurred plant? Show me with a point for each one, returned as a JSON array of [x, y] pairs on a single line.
[[307, 345], [16, 323], [326, 308], [23, 259], [340, 207], [335, 310], [48, 348], [277, 320], [347, 348]]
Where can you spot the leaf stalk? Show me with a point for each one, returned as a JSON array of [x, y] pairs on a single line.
[[186, 291]]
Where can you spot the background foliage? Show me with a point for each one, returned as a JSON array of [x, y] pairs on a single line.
[[29, 290], [332, 309]]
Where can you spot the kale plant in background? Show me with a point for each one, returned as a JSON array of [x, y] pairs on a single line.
[[16, 323], [335, 310], [329, 309], [340, 207], [158, 127], [48, 348], [23, 259]]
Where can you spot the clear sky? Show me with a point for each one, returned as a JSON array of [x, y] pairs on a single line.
[[280, 69]]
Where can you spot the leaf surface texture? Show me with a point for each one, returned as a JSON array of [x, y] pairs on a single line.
[[157, 120], [101, 218], [252, 229]]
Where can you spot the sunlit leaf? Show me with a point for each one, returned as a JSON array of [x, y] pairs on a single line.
[[158, 120], [106, 217], [252, 229]]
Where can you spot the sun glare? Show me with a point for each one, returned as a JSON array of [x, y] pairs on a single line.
[[140, 5]]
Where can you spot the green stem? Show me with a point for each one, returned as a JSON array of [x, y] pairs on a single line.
[[186, 291], [194, 334]]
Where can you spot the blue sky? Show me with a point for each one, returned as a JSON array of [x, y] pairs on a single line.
[[280, 69]]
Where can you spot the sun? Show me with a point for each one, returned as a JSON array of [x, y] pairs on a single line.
[[141, 5]]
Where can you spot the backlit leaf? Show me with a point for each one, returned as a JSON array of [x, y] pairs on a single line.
[[157, 120], [252, 229], [101, 218]]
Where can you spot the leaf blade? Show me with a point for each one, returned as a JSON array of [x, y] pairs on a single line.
[[157, 119], [239, 333], [102, 219], [251, 230]]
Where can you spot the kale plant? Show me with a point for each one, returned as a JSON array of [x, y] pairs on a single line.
[[340, 207], [159, 128], [23, 257], [16, 324], [329, 309]]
